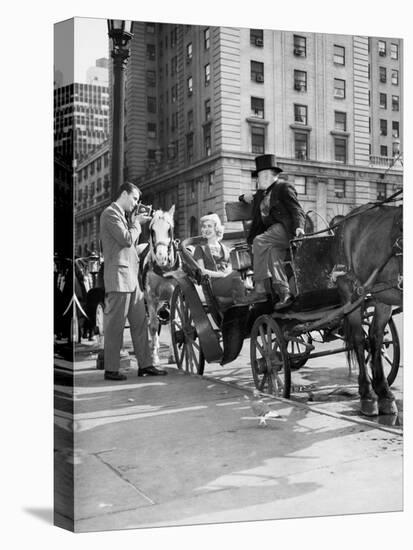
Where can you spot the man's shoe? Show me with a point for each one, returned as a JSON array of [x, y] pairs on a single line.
[[286, 301], [114, 375], [252, 297], [151, 371]]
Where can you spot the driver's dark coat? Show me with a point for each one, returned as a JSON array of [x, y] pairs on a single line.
[[284, 209]]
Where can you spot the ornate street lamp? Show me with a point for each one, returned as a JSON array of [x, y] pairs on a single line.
[[120, 32]]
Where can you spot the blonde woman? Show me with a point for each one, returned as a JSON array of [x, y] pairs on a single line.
[[214, 259]]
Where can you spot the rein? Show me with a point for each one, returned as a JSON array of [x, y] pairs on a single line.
[[392, 198]]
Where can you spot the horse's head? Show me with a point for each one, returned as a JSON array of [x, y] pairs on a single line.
[[161, 236]]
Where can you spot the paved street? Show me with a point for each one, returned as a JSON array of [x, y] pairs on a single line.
[[186, 449]]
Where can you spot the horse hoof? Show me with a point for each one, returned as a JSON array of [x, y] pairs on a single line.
[[369, 407], [388, 406]]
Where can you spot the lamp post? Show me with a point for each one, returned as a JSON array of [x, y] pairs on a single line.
[[120, 32]]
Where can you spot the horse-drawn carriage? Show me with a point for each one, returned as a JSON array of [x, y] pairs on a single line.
[[333, 302], [79, 297]]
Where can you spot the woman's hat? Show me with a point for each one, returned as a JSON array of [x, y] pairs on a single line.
[[266, 162]]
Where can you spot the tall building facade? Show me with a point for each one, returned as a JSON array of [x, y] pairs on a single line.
[[202, 102], [92, 195], [81, 119], [99, 73]]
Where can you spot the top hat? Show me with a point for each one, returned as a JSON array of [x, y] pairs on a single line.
[[266, 162]]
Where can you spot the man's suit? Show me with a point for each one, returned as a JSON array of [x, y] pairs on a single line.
[[124, 299], [272, 227]]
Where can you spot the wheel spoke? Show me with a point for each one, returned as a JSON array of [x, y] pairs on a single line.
[[259, 347], [387, 358], [263, 339]]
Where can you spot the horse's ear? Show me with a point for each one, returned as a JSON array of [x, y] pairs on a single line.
[[172, 211]]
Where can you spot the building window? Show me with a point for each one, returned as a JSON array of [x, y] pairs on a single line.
[[98, 164], [300, 184], [190, 147], [174, 93], [340, 121], [206, 39], [189, 52], [210, 182], [257, 37], [150, 51], [189, 85], [150, 28], [396, 149], [151, 154], [381, 191], [174, 122], [257, 71], [207, 109], [300, 81], [394, 102], [151, 130], [174, 37], [151, 104], [340, 188], [92, 168], [395, 76], [340, 150], [383, 127], [151, 78], [207, 74], [394, 51], [300, 113], [106, 160], [300, 46], [382, 74], [383, 101], [395, 128], [190, 120], [339, 55], [339, 88], [301, 145], [174, 65], [383, 150], [258, 139], [382, 48], [207, 140], [257, 107]]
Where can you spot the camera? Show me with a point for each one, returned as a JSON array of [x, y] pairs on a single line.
[[141, 208]]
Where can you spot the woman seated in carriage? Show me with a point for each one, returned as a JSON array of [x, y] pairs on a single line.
[[214, 260]]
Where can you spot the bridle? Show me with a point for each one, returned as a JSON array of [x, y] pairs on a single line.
[[170, 244]]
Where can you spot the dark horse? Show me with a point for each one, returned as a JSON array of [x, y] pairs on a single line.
[[370, 251]]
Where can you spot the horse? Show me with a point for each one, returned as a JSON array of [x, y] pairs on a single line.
[[159, 257], [369, 249]]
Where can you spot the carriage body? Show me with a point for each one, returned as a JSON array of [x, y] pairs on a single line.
[[215, 331]]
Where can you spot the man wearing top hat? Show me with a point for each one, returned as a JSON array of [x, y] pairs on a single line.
[[277, 218]]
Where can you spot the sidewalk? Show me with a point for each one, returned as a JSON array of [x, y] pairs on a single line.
[[182, 450]]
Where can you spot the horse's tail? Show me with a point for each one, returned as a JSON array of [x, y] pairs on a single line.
[[354, 336]]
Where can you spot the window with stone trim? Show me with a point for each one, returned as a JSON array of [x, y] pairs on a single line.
[[301, 145], [257, 37], [383, 101], [340, 121], [300, 46], [258, 140], [340, 150], [394, 51], [300, 81], [257, 107], [339, 188], [395, 103], [257, 71], [383, 127], [339, 88], [300, 113], [395, 77]]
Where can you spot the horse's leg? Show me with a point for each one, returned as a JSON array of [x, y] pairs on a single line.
[[368, 399], [154, 330], [354, 337], [387, 402]]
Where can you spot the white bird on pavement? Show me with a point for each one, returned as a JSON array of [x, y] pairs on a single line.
[[262, 410]]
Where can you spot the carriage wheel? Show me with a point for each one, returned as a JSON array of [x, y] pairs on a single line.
[[269, 358], [298, 351], [390, 349], [99, 316], [185, 341]]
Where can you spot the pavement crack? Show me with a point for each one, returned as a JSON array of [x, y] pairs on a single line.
[[119, 474]]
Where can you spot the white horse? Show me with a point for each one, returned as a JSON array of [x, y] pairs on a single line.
[[160, 257]]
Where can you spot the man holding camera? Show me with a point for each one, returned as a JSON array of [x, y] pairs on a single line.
[[123, 297]]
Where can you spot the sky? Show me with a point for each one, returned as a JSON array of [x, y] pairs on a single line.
[[88, 38]]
